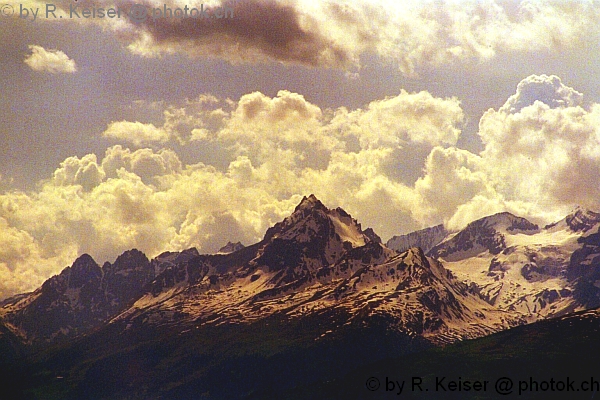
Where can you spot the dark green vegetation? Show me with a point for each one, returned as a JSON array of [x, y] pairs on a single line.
[[558, 349], [223, 362], [276, 358]]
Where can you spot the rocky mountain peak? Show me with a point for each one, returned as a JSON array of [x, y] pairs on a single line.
[[416, 255], [485, 234], [84, 261], [231, 248], [130, 259], [370, 233], [308, 203], [311, 218], [125, 279], [84, 271], [506, 221], [582, 219], [312, 237], [425, 238], [579, 220]]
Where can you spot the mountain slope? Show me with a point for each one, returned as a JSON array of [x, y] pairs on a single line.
[[518, 267], [79, 299], [584, 271], [230, 248], [317, 259], [580, 220], [315, 297], [426, 239], [485, 234], [555, 349]]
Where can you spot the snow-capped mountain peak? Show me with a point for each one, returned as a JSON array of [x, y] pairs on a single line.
[[579, 220], [485, 234], [312, 219], [582, 220], [516, 266], [506, 222]]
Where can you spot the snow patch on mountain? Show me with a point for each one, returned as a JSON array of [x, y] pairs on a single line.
[[580, 220], [514, 265], [347, 229]]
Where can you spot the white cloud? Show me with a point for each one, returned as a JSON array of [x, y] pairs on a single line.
[[84, 172], [150, 166], [257, 125], [418, 35], [547, 89], [452, 178], [557, 151], [285, 147], [541, 158], [406, 118], [412, 35], [136, 132], [52, 61]]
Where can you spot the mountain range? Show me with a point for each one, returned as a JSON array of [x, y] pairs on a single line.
[[315, 299]]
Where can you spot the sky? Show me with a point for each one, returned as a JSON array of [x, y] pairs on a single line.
[[163, 133]]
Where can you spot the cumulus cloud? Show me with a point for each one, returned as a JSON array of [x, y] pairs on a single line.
[[190, 120], [547, 89], [75, 171], [408, 117], [29, 272], [451, 178], [258, 125], [283, 148], [52, 61], [149, 165], [259, 30], [136, 132], [555, 146], [423, 34], [412, 35], [541, 158]]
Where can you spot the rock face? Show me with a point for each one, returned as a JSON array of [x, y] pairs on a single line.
[[231, 248], [485, 234], [80, 298], [580, 220], [124, 280], [584, 271], [426, 239]]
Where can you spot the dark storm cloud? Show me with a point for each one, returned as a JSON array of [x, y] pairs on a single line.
[[259, 30]]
